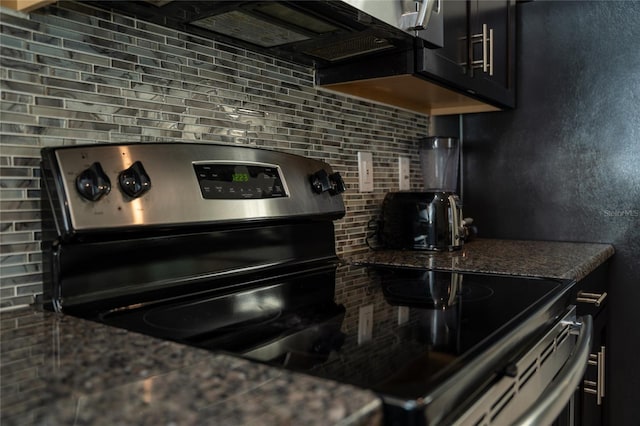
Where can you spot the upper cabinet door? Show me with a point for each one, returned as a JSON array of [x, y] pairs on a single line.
[[492, 49], [478, 56]]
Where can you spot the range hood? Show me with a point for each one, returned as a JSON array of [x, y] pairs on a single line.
[[328, 35], [308, 32]]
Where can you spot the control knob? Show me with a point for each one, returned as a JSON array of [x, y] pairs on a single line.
[[337, 184], [321, 182], [93, 183], [134, 181]]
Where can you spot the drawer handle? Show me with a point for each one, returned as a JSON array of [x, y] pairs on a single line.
[[596, 387], [595, 298]]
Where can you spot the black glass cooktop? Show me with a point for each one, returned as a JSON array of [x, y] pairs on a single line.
[[425, 324], [399, 332]]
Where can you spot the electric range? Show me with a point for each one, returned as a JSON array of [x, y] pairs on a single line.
[[232, 249]]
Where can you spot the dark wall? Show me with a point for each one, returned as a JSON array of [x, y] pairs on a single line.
[[565, 165]]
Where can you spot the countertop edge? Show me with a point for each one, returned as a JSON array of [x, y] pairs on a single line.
[[581, 271], [530, 258]]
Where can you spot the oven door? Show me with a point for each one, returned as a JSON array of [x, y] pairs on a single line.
[[540, 389]]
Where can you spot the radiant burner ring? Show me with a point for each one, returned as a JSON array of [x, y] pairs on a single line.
[[417, 291]]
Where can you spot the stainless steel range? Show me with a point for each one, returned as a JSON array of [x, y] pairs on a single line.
[[232, 248]]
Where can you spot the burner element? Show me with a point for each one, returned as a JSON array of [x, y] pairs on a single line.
[[431, 289]]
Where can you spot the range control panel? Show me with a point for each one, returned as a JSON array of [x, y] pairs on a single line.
[[99, 187], [239, 181]]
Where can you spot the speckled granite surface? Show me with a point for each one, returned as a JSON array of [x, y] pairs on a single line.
[[57, 369], [511, 257], [60, 370]]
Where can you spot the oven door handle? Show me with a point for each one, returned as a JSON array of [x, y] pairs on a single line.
[[556, 396]]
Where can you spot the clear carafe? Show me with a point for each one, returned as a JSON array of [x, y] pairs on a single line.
[[439, 160]]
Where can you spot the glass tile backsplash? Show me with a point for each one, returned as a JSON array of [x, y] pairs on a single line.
[[71, 74]]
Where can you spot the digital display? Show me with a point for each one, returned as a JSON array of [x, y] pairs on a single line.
[[240, 177], [239, 181]]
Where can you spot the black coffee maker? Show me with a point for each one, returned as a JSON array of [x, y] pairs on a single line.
[[429, 220]]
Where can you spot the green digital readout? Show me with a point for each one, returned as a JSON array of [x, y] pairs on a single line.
[[240, 177]]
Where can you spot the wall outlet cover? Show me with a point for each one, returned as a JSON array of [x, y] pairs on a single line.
[[365, 171], [404, 175]]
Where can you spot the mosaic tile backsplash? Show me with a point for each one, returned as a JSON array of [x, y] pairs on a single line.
[[72, 74]]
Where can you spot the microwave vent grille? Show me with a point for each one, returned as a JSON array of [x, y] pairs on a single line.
[[351, 47]]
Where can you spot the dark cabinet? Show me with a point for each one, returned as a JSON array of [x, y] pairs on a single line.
[[493, 37], [592, 300], [478, 56], [473, 72]]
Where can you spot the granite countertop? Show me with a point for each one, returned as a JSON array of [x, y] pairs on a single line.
[[57, 369], [548, 259]]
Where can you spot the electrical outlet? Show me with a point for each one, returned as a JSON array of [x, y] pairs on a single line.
[[404, 174], [403, 314], [365, 324], [365, 171]]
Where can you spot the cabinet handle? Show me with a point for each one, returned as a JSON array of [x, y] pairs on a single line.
[[486, 38], [595, 298], [590, 390], [490, 51], [484, 47], [596, 387], [601, 377]]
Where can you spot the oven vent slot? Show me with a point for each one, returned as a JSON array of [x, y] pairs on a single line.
[[480, 421], [563, 335], [527, 374], [499, 405], [555, 344], [547, 352]]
